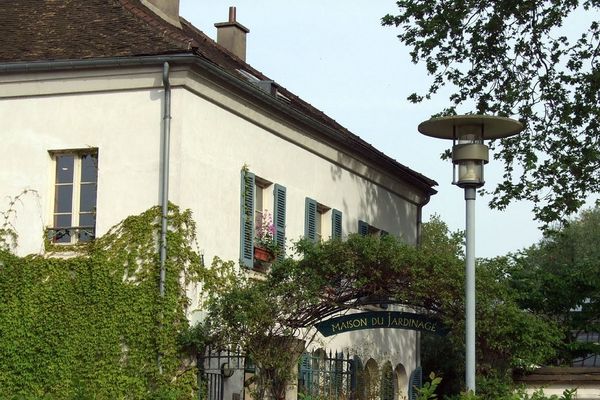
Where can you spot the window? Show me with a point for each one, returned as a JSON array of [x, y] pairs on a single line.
[[321, 222], [321, 211], [364, 229], [75, 191], [255, 203], [259, 203]]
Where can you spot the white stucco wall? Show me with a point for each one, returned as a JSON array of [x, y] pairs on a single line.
[[211, 151], [124, 126], [210, 142]]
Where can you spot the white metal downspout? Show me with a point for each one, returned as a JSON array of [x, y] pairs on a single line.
[[165, 188]]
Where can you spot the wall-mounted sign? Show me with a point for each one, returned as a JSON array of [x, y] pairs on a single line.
[[381, 319]]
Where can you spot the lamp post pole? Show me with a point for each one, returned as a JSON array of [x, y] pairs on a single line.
[[469, 154], [470, 193]]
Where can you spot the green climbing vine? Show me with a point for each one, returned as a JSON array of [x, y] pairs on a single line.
[[8, 234], [88, 326]]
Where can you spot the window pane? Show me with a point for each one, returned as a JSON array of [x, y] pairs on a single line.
[[86, 235], [63, 199], [89, 168], [61, 236], [64, 168], [258, 207], [87, 232], [87, 198], [87, 219], [62, 221], [318, 221]]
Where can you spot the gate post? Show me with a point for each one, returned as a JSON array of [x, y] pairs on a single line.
[[297, 347]]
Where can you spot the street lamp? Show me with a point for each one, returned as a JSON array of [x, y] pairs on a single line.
[[469, 154]]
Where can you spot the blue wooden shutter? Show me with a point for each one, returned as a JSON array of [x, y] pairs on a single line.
[[279, 218], [363, 228], [415, 381], [247, 220], [336, 224], [310, 220]]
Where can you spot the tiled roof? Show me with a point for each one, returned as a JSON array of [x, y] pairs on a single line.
[[49, 30], [34, 30]]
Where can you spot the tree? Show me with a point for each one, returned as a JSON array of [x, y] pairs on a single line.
[[508, 336], [254, 314], [560, 277], [265, 316], [511, 58]]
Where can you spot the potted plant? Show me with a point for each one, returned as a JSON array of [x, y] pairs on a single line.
[[265, 247]]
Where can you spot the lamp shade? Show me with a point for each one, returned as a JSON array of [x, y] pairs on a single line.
[[491, 127]]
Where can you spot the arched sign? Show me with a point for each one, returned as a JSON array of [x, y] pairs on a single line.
[[381, 319]]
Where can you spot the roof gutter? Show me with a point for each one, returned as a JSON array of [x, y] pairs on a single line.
[[36, 66], [409, 175]]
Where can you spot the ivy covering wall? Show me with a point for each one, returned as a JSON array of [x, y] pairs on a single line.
[[91, 326]]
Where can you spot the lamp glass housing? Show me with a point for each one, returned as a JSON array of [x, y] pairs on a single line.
[[468, 172]]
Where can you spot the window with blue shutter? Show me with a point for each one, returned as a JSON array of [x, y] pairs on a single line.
[[247, 219], [363, 228], [310, 220], [415, 381], [279, 218], [336, 224]]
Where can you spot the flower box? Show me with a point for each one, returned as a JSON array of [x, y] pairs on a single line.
[[262, 254]]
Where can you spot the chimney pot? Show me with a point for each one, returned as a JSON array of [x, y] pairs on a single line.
[[232, 35]]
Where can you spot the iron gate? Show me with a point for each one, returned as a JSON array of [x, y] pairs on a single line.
[[214, 366], [325, 375]]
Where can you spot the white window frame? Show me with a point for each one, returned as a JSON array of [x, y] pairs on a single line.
[[73, 230], [263, 198]]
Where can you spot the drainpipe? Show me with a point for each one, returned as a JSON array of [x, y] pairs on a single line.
[[164, 187]]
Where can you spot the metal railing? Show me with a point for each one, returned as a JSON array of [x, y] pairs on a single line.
[[65, 235], [327, 375]]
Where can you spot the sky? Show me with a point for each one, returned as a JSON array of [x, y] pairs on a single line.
[[336, 56]]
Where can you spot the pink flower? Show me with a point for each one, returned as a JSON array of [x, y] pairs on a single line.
[[265, 230]]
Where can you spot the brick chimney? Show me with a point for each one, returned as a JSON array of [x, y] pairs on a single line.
[[166, 9], [232, 35]]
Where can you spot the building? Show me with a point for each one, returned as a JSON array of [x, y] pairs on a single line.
[[105, 104]]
